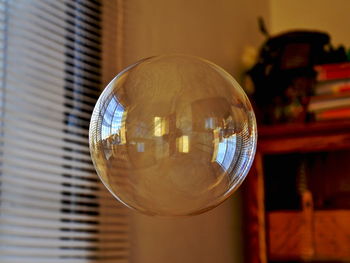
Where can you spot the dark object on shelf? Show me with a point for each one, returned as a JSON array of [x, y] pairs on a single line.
[[335, 55], [284, 74], [280, 183]]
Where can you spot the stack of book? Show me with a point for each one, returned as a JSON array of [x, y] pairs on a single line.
[[331, 98]]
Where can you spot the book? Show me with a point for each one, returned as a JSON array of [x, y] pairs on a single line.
[[332, 87], [318, 103], [332, 71], [333, 114], [329, 96]]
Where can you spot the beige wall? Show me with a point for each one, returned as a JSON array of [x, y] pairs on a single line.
[[326, 15], [214, 237], [216, 30]]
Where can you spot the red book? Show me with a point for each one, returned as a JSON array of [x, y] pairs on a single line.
[[333, 71], [341, 113]]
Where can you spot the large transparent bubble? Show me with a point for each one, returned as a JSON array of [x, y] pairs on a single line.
[[172, 135]]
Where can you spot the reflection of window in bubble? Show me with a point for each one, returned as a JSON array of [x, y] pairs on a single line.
[[226, 151], [157, 126], [160, 126], [183, 144], [113, 119], [141, 129], [209, 123], [140, 147]]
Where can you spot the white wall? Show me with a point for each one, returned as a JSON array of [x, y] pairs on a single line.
[[216, 30], [326, 15]]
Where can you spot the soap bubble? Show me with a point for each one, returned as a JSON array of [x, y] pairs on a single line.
[[172, 135]]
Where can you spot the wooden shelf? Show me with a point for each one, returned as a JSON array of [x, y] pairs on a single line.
[[303, 129], [321, 235], [293, 138], [294, 236]]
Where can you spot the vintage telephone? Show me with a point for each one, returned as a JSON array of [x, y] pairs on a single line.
[[284, 74]]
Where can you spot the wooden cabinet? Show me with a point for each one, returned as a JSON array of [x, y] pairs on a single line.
[[297, 194]]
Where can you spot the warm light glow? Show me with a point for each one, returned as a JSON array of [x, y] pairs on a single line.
[[122, 134], [183, 144], [157, 126], [216, 142], [160, 126]]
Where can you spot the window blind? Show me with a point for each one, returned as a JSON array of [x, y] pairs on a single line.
[[53, 207]]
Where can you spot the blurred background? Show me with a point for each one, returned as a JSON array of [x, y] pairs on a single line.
[[290, 56]]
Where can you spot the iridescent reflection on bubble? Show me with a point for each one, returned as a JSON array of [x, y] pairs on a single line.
[[172, 135]]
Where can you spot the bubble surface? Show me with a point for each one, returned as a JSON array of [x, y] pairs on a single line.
[[172, 135]]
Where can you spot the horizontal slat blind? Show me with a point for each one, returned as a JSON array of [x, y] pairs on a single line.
[[53, 207]]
